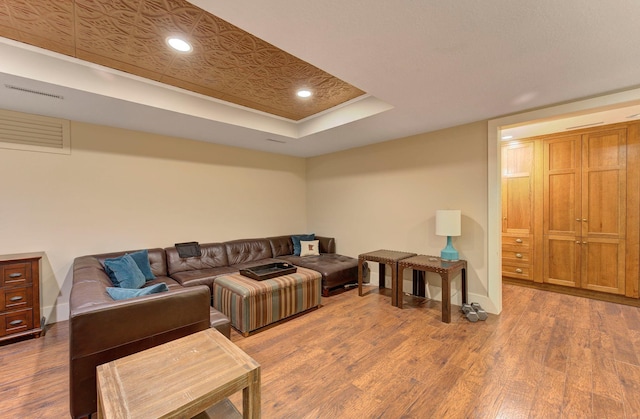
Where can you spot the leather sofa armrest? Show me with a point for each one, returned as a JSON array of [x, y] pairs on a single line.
[[97, 328]]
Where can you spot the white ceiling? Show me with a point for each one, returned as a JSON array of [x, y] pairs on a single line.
[[425, 64]]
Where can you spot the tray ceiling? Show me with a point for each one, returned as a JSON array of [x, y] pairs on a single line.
[[227, 63]]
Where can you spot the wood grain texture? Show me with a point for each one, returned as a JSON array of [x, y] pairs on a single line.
[[548, 355], [189, 375]]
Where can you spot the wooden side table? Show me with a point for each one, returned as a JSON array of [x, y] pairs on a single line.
[[383, 257], [446, 270], [179, 379]]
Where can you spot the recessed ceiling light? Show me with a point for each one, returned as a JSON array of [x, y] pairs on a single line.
[[179, 44], [304, 93]]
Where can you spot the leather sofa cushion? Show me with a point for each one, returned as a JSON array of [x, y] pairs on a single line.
[[247, 250], [214, 255], [281, 245], [336, 270], [202, 276]]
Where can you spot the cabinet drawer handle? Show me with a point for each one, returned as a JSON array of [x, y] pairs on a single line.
[[15, 322], [518, 271], [518, 255], [16, 298], [15, 275], [518, 240]]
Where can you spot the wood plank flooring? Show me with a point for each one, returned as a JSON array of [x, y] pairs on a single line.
[[547, 355]]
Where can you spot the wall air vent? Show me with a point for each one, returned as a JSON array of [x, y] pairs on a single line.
[[21, 131], [35, 92]]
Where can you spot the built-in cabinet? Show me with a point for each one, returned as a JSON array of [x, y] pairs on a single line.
[[570, 209]]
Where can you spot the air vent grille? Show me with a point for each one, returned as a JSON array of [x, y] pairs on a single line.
[[20, 131], [35, 92]]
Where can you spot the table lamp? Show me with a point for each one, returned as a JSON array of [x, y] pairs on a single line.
[[448, 224]]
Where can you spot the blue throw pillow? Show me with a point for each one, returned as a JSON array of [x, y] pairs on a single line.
[[141, 258], [124, 272], [301, 237], [124, 293]]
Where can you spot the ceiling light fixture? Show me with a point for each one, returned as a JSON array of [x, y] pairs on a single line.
[[179, 44], [507, 137], [304, 93]]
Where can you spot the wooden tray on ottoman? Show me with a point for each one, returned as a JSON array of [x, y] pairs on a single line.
[[270, 270]]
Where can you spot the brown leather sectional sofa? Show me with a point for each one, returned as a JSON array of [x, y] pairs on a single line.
[[102, 329]]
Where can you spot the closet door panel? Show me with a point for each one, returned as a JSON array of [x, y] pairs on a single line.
[[517, 187], [604, 184], [603, 266], [561, 211], [562, 261]]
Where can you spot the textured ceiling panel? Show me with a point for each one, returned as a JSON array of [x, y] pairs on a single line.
[[227, 63]]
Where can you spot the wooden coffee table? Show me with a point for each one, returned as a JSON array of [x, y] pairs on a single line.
[[384, 257], [181, 378]]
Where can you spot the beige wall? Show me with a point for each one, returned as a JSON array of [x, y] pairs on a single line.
[[385, 196], [123, 190]]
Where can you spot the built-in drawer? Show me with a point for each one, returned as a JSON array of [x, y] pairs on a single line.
[[16, 321], [16, 298], [516, 270], [15, 274], [515, 241], [516, 256]]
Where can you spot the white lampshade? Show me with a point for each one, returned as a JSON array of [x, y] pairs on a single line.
[[448, 222]]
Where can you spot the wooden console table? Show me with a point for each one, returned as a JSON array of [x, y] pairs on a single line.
[[179, 379], [446, 270], [383, 257]]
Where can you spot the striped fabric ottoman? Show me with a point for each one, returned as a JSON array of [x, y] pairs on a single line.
[[252, 304]]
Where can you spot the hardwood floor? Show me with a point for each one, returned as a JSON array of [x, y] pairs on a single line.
[[547, 355]]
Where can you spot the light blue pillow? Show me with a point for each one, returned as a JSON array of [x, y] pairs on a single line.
[[124, 272], [124, 293], [141, 258], [301, 237]]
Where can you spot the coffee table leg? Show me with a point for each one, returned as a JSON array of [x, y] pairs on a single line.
[[446, 298], [251, 396]]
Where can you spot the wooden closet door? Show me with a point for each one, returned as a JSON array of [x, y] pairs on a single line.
[[517, 187], [603, 224], [562, 211]]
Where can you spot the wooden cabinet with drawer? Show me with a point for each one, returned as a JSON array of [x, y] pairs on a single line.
[[20, 296], [516, 256]]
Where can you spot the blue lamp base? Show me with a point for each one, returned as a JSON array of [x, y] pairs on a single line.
[[449, 253]]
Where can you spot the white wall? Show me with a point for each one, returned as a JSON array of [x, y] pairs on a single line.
[[122, 190], [385, 196]]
